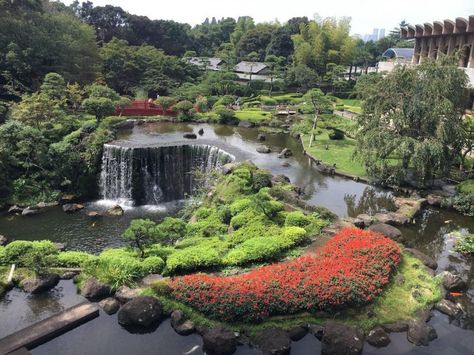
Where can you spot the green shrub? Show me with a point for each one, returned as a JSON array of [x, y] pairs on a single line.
[[208, 227], [15, 251], [119, 253], [292, 236], [268, 101], [240, 205], [170, 230], [297, 219], [242, 218], [202, 256], [114, 270], [225, 100], [261, 179], [159, 250], [466, 187], [72, 258], [153, 265], [257, 227], [226, 115], [463, 203], [202, 213]]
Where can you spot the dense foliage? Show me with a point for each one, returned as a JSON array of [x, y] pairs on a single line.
[[412, 124], [350, 270]]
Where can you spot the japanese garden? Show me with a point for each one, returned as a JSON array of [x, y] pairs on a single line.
[[233, 186]]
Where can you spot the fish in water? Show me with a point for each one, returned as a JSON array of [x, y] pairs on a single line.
[[193, 349]]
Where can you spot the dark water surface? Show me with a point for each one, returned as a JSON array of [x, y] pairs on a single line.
[[432, 234]]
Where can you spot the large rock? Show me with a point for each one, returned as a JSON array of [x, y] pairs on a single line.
[[273, 341], [95, 290], [448, 307], [388, 231], [246, 124], [229, 167], [67, 199], [378, 337], [35, 285], [141, 311], [280, 179], [125, 294], [190, 136], [397, 327], [261, 137], [3, 240], [72, 207], [341, 339], [219, 341], [181, 325], [285, 153], [116, 211], [425, 259], [110, 305], [452, 282], [317, 330], [201, 131], [298, 332], [30, 211], [392, 218], [15, 210], [263, 149], [420, 333], [365, 219], [46, 204]]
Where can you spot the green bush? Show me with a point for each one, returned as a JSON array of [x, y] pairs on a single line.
[[463, 203], [297, 219], [225, 100], [202, 213], [226, 115], [268, 101], [16, 250], [72, 259], [261, 179], [114, 270], [208, 227], [292, 236], [202, 256], [257, 227], [170, 230], [153, 265], [159, 250], [242, 218], [240, 205], [466, 187]]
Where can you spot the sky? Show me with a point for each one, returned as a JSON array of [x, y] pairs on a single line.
[[366, 14]]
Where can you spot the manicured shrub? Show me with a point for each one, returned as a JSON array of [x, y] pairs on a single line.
[[201, 256], [153, 265], [261, 179], [208, 227], [297, 219], [226, 115], [16, 250], [159, 250], [259, 226], [202, 213], [170, 230], [240, 205], [463, 203], [350, 270], [72, 258], [243, 218]]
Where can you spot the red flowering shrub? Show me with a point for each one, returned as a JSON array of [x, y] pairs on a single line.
[[351, 270]]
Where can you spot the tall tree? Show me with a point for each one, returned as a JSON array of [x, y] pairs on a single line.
[[412, 121]]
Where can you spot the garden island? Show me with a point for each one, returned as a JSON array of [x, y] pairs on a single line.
[[233, 187]]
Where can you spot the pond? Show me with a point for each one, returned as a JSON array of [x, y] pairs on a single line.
[[430, 234]]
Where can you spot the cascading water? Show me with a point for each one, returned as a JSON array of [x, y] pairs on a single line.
[[152, 175]]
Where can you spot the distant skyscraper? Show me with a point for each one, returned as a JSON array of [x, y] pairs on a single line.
[[381, 33]]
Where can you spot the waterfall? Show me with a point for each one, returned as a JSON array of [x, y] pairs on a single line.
[[151, 175]]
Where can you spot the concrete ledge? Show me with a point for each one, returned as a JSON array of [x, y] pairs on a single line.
[[49, 328]]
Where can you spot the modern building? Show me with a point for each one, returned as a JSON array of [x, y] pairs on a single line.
[[433, 40]]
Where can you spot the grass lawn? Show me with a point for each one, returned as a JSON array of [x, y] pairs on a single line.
[[339, 152], [256, 116], [352, 105]]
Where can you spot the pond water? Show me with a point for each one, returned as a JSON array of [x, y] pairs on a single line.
[[345, 197]]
